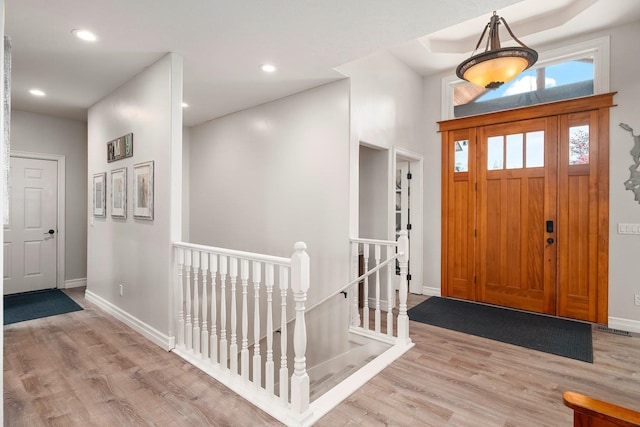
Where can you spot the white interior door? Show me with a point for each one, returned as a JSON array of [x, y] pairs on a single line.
[[30, 248]]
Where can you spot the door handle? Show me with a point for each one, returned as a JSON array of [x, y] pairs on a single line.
[[550, 240], [549, 226], [50, 232]]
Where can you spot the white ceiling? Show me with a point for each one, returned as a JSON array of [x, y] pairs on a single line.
[[224, 42]]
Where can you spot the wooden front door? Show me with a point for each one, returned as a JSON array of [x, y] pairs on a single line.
[[525, 208], [516, 263]]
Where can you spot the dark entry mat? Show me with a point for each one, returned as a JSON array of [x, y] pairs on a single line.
[[553, 335], [37, 304]]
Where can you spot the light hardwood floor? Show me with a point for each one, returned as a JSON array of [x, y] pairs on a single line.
[[86, 368]]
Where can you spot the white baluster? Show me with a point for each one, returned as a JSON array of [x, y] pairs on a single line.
[[204, 268], [284, 371], [196, 304], [355, 259], [300, 285], [257, 359], [268, 366], [189, 325], [213, 258], [403, 319], [377, 313], [233, 344], [223, 312], [365, 298], [244, 353], [180, 261], [390, 290]]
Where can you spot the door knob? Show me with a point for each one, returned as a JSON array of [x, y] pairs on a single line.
[[550, 240], [50, 232]]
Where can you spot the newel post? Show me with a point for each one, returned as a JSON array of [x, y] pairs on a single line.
[[403, 261], [300, 285]]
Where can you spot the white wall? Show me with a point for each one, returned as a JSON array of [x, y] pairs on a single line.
[[186, 186], [135, 252], [432, 183], [624, 279], [374, 212], [623, 249], [266, 177], [39, 133], [386, 112], [386, 102]]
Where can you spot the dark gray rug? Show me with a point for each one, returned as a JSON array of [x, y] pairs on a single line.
[[553, 335], [37, 304]]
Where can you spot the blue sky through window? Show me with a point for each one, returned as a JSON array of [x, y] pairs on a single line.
[[556, 75]]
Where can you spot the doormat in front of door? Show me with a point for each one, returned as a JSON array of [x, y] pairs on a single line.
[[552, 335], [37, 304]]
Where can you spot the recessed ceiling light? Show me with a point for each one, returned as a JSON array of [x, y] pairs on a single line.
[[268, 68], [36, 92], [185, 105], [85, 35]]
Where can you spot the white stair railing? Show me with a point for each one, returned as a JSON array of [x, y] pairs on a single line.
[[364, 253], [202, 316], [207, 320]]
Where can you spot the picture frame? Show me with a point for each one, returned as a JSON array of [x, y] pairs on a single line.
[[143, 190], [119, 193], [100, 195], [120, 148]]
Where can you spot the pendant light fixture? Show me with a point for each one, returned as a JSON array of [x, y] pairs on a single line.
[[496, 65]]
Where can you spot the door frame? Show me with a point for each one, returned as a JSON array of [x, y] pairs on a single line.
[[600, 103], [61, 211], [415, 160]]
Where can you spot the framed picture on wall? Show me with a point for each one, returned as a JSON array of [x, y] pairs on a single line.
[[99, 195], [119, 193], [143, 190]]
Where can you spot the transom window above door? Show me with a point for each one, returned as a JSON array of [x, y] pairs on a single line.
[[569, 72]]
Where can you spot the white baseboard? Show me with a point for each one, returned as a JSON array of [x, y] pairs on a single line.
[[434, 292], [149, 332], [75, 283], [624, 324]]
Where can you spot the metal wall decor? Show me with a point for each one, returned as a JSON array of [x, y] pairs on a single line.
[[633, 183], [120, 148]]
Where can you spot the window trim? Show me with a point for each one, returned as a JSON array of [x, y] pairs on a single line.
[[599, 48]]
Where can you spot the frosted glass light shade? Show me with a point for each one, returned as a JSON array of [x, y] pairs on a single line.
[[494, 68], [496, 65]]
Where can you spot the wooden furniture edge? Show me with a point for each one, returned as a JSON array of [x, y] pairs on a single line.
[[606, 411]]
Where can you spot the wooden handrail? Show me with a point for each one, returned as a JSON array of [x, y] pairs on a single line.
[[589, 412]]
